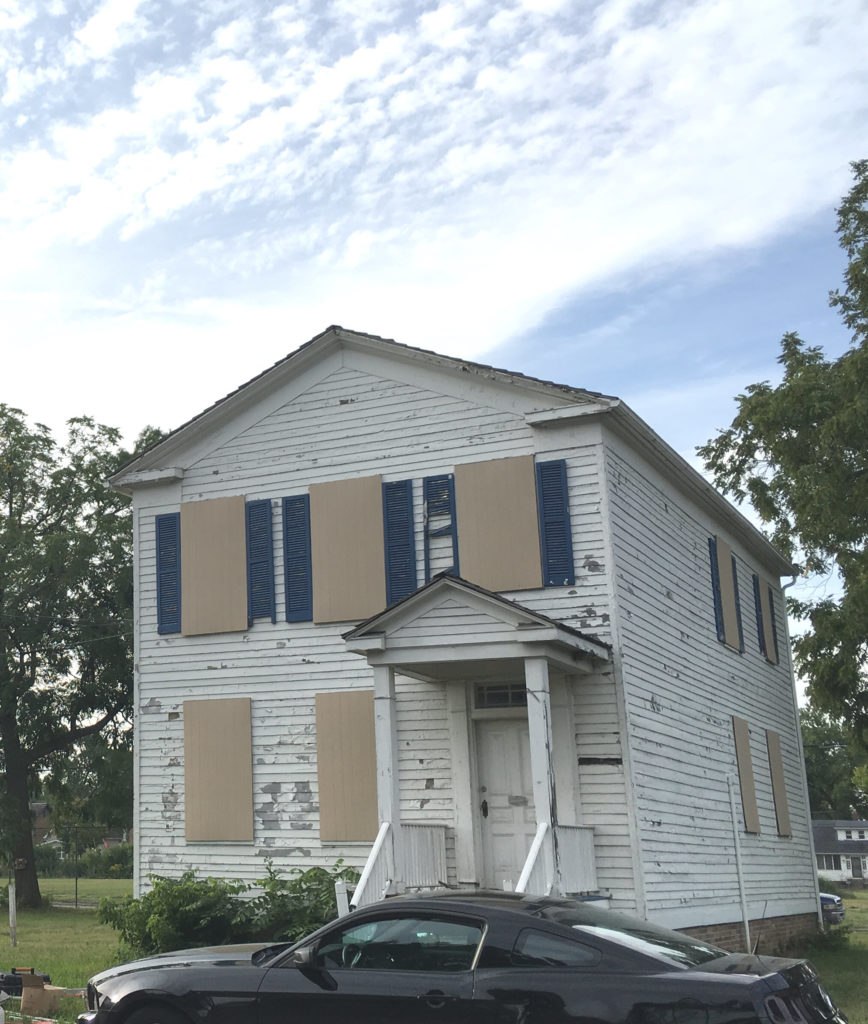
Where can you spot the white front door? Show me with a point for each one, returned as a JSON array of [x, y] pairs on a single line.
[[505, 799]]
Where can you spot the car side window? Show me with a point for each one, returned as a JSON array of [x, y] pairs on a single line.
[[541, 949], [412, 943]]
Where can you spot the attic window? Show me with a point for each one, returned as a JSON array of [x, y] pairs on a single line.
[[501, 695]]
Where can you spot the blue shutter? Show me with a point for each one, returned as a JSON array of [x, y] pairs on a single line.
[[168, 529], [438, 496], [555, 534], [757, 600], [400, 541], [737, 606], [260, 561], [298, 578], [715, 590], [774, 626]]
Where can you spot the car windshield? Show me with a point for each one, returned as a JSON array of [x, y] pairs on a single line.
[[629, 931]]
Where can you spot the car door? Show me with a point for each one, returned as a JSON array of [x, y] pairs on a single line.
[[393, 968]]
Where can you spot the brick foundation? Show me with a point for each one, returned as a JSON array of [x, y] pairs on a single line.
[[775, 934]]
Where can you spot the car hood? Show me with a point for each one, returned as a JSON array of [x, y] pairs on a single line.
[[240, 955]]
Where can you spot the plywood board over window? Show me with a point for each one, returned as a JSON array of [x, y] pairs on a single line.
[[730, 609], [347, 549], [218, 770], [741, 733], [346, 765], [498, 526], [769, 632], [213, 566], [779, 783]]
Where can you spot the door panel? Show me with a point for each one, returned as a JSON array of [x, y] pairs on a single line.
[[347, 996], [505, 806], [378, 969]]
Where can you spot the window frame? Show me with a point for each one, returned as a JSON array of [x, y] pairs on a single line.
[[395, 920]]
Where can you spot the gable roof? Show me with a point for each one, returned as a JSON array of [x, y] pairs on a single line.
[[555, 404], [503, 606], [826, 836], [317, 348], [496, 635]]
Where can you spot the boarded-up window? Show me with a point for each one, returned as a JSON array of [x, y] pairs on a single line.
[[767, 633], [347, 549], [498, 531], [346, 765], [741, 732], [218, 772], [213, 566], [779, 783], [724, 581]]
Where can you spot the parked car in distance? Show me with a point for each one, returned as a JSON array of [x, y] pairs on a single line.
[[833, 908], [463, 958]]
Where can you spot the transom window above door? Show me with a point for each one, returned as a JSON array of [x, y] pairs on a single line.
[[501, 695]]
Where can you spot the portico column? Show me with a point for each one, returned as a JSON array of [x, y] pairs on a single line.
[[539, 721], [388, 795]]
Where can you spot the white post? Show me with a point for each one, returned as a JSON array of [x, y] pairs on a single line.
[[539, 722], [386, 738], [738, 868], [13, 915], [341, 899]]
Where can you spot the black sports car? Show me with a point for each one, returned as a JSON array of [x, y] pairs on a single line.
[[466, 957]]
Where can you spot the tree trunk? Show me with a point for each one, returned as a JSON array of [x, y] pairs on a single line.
[[19, 822]]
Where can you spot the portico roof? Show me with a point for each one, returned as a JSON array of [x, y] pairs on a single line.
[[451, 629]]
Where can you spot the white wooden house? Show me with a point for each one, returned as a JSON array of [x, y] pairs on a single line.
[[841, 847], [457, 625]]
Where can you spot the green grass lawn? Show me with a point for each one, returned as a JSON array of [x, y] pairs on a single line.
[[70, 945], [90, 890], [843, 971]]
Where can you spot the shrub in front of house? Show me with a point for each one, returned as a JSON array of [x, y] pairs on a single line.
[[178, 913]]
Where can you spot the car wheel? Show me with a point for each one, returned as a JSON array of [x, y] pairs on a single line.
[[156, 1013]]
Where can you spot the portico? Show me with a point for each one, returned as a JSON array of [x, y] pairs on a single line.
[[512, 677]]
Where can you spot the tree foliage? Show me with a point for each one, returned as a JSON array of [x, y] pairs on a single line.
[[65, 608], [799, 453], [92, 786], [835, 765]]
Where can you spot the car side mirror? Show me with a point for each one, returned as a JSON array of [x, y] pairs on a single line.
[[302, 957]]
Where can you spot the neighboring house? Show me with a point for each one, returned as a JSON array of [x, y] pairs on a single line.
[[456, 625], [40, 816], [842, 850]]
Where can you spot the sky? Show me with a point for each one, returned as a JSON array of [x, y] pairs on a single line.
[[633, 197]]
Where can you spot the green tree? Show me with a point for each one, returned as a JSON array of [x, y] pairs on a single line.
[[799, 453], [835, 766], [65, 608], [91, 787]]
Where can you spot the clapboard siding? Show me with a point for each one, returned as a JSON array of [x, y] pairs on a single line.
[[349, 423], [661, 712], [682, 687]]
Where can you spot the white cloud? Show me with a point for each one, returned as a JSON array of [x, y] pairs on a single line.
[[446, 175]]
